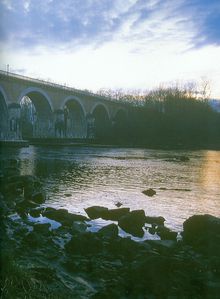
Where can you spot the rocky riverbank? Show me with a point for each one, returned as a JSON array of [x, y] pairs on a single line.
[[49, 253]]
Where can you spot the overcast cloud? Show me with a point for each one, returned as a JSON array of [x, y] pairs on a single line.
[[142, 28]]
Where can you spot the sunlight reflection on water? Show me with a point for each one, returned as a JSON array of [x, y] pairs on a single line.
[[76, 178]]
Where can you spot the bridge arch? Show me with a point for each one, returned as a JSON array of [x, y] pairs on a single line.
[[103, 105], [75, 123], [3, 114], [120, 113], [100, 114], [39, 98], [42, 118]]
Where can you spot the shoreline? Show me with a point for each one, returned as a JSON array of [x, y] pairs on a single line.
[[71, 262], [55, 142]]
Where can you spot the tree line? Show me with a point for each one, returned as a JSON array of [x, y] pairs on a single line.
[[170, 117]]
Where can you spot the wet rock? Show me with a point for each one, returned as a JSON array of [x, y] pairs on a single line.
[[33, 240], [152, 230], [95, 212], [158, 274], [12, 187], [35, 213], [155, 220], [79, 227], [110, 230], [25, 205], [83, 244], [212, 289], [63, 216], [42, 228], [77, 217], [11, 171], [149, 192], [162, 246], [118, 204], [55, 214], [68, 194], [203, 231], [115, 214], [165, 233], [124, 247], [38, 197], [133, 222]]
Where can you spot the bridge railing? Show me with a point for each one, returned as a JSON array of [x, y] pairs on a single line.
[[56, 85]]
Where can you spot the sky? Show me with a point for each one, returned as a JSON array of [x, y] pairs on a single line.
[[128, 44]]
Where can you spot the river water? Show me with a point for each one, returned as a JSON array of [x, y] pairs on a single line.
[[79, 177]]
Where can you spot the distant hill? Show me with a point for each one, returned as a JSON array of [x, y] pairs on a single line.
[[215, 104]]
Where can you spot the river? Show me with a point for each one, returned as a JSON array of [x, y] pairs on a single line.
[[79, 177]]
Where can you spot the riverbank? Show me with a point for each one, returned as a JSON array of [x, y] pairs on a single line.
[[14, 143], [111, 143], [61, 142], [49, 253]]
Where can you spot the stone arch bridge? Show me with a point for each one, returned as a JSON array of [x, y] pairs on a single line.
[[58, 111]]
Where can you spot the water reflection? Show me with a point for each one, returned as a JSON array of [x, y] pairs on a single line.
[[210, 171], [76, 178]]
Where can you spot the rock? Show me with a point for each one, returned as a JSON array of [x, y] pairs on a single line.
[[133, 222], [55, 214], [165, 233], [31, 185], [35, 213], [33, 240], [163, 246], [77, 217], [184, 158], [13, 162], [152, 230], [118, 204], [203, 231], [110, 230], [115, 214], [124, 247], [155, 220], [158, 274], [95, 212], [83, 244], [42, 228], [11, 171], [63, 216], [38, 197], [79, 227], [149, 192], [68, 194]]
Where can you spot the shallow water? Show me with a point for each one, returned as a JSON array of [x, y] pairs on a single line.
[[79, 177]]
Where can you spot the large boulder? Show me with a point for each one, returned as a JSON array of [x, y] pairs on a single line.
[[115, 214], [63, 216], [165, 233], [42, 228], [38, 197], [110, 231], [203, 232], [155, 220], [95, 212], [84, 244], [133, 222]]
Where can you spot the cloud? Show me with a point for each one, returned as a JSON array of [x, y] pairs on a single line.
[[73, 23], [111, 43]]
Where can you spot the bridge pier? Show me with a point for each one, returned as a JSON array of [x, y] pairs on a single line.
[[14, 122], [90, 126]]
